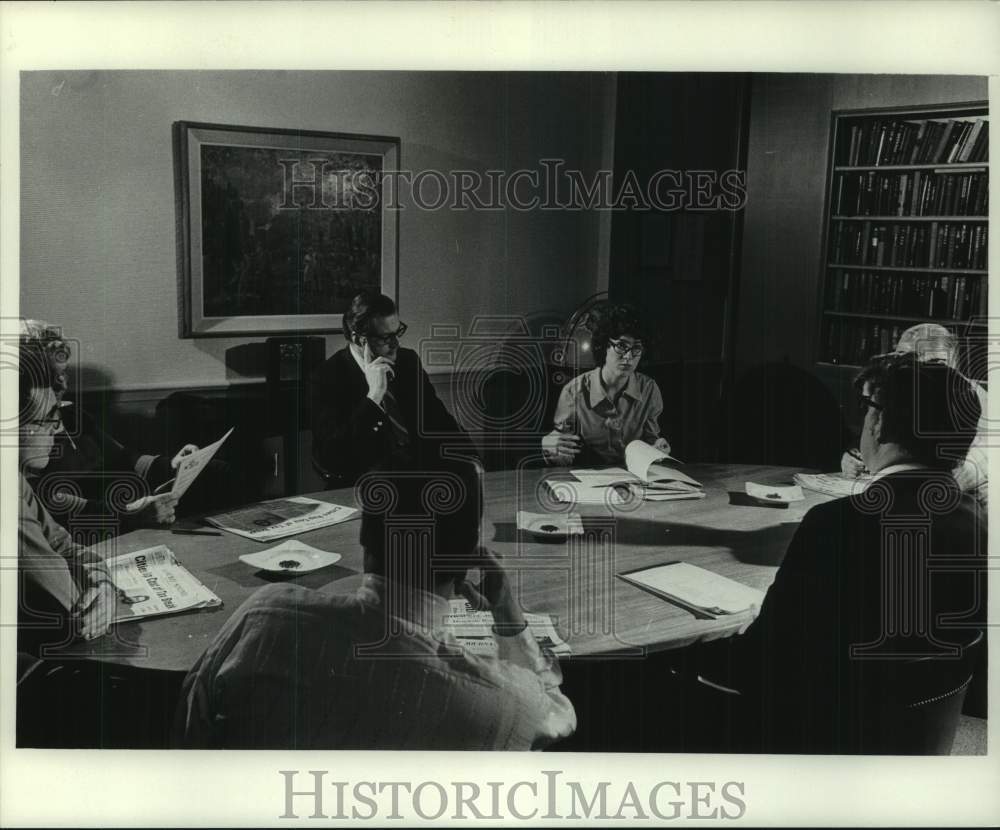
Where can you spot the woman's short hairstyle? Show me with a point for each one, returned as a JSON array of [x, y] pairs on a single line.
[[366, 306], [34, 371], [610, 322], [929, 409]]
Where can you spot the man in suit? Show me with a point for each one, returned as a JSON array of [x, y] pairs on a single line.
[[873, 580], [373, 405]]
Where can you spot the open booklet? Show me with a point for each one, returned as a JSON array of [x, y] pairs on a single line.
[[151, 582], [646, 475], [704, 593]]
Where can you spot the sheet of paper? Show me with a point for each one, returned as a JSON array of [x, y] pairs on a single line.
[[191, 465], [152, 583], [666, 495], [766, 492], [643, 461], [832, 484], [697, 587], [565, 524], [270, 520]]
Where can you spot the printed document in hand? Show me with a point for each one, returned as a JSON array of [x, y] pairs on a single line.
[[694, 588], [190, 466], [270, 520], [645, 476], [151, 582], [474, 630], [833, 484]]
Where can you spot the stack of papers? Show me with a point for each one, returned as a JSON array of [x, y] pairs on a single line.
[[702, 592], [833, 484], [270, 520], [152, 582], [474, 630]]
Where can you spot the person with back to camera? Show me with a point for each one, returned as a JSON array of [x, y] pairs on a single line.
[[601, 411], [896, 570], [373, 405], [932, 343], [379, 668]]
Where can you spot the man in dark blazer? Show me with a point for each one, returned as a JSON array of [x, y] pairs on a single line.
[[873, 580], [373, 405]]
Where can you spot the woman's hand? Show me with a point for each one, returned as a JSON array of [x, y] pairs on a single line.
[[560, 447], [95, 610], [662, 445], [153, 510], [187, 449]]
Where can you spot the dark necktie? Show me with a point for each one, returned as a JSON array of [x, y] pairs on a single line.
[[391, 407]]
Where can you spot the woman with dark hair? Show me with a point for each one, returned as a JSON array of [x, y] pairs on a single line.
[[601, 411]]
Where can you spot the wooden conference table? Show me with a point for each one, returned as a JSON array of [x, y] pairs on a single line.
[[571, 579]]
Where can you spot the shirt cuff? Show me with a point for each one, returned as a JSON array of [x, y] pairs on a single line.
[[144, 464]]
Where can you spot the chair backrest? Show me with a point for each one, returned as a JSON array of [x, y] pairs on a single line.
[[919, 713]]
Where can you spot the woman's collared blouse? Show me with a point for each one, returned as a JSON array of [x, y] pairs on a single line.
[[606, 428]]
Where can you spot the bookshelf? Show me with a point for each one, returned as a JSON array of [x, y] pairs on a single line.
[[905, 231]]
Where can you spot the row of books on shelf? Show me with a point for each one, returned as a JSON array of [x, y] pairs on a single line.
[[948, 296], [891, 141], [930, 245], [914, 193], [855, 342]]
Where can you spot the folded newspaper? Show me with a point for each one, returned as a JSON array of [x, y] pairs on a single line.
[[151, 582], [270, 520], [474, 630], [832, 484]]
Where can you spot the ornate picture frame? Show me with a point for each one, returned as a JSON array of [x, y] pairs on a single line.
[[278, 229]]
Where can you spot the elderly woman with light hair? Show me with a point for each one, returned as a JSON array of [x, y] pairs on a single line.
[[64, 589], [86, 462], [933, 343]]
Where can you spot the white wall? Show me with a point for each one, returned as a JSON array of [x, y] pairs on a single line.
[[98, 244]]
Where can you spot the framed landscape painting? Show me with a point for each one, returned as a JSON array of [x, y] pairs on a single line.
[[279, 229]]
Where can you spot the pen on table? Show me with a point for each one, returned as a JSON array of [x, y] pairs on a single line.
[[195, 532]]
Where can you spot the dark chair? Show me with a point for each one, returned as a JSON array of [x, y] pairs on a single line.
[[907, 707], [780, 414], [87, 704]]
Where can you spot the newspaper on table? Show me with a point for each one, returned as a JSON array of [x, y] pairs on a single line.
[[151, 582], [474, 630], [276, 519], [833, 484]]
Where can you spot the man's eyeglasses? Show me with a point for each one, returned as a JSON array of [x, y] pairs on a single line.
[[623, 349], [383, 339], [865, 401]]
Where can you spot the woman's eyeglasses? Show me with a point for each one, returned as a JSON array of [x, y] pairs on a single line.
[[623, 349], [383, 339], [53, 424]]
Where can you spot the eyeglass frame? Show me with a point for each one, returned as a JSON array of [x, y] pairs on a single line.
[[52, 424], [636, 349], [865, 401], [381, 339]]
